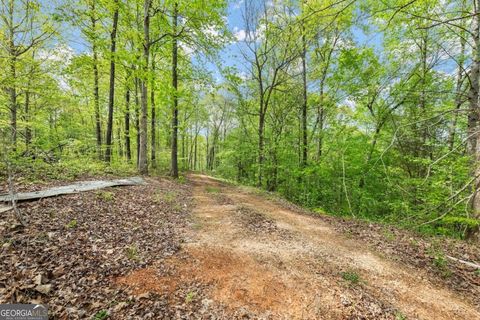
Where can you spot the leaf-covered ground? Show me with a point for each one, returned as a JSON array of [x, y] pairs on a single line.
[[75, 245]]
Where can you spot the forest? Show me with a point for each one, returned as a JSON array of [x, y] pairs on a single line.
[[360, 108], [253, 143]]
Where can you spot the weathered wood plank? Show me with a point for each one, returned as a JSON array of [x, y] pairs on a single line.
[[73, 188], [468, 263]]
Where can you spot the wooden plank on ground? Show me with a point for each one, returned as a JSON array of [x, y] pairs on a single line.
[[73, 188]]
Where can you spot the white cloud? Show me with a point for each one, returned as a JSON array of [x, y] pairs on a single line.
[[350, 103], [60, 53], [54, 60], [239, 34], [187, 49], [242, 35], [211, 31], [242, 75]]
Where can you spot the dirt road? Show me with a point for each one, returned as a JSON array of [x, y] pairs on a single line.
[[270, 262]]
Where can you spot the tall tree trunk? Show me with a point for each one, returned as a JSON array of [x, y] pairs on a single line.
[[12, 89], [119, 139], [321, 122], [111, 94], [195, 151], [128, 151], [305, 99], [184, 143], [207, 144], [142, 157], [13, 104], [474, 111], [153, 120], [28, 129], [137, 118], [458, 95], [195, 142], [425, 150], [96, 95], [261, 146], [174, 155]]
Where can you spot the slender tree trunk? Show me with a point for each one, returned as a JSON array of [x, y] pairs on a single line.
[[305, 99], [174, 155], [153, 120], [458, 96], [261, 146], [184, 143], [28, 129], [12, 89], [474, 111], [111, 94], [13, 101], [137, 118], [128, 151], [425, 150], [96, 95], [207, 144], [119, 139], [142, 157], [321, 122], [96, 101], [195, 151], [376, 136]]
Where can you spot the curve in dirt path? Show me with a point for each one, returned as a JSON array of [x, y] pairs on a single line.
[[275, 262]]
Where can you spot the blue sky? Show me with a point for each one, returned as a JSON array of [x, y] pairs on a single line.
[[230, 55]]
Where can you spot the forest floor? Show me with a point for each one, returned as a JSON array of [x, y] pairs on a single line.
[[205, 249]]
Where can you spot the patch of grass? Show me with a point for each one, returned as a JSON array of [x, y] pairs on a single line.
[[132, 252], [400, 316], [477, 272], [211, 189], [190, 296], [160, 196], [75, 161], [170, 196], [390, 236], [351, 276], [101, 315], [440, 262], [319, 210], [196, 226], [462, 225], [72, 224], [106, 196], [156, 198]]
